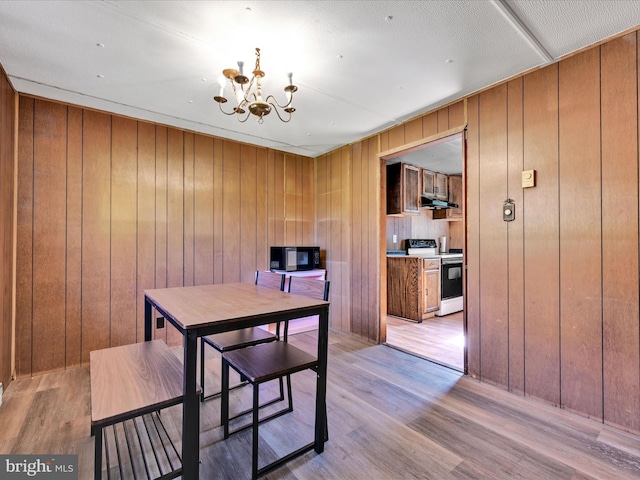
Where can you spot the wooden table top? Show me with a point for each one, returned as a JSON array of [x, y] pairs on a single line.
[[204, 305], [130, 380]]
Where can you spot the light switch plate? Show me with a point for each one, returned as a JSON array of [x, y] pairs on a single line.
[[528, 178]]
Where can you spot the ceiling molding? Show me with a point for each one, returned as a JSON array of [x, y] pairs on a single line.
[[523, 30]]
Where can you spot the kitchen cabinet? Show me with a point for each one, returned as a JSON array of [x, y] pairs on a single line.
[[431, 286], [455, 196], [435, 185], [403, 189], [413, 287]]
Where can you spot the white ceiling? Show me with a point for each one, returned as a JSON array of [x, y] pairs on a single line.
[[360, 66], [443, 156]]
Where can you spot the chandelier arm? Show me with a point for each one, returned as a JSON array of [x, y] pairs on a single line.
[[226, 113], [275, 109], [271, 99], [241, 120]]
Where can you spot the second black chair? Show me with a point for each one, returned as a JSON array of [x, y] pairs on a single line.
[[246, 337], [267, 362]]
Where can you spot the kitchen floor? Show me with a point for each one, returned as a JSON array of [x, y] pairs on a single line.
[[440, 339]]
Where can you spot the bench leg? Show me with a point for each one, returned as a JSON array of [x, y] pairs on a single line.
[[97, 469]]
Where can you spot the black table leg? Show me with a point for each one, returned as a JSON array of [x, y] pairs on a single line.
[[147, 320], [190, 411], [321, 388]]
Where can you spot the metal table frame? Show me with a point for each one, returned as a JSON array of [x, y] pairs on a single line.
[[280, 309]]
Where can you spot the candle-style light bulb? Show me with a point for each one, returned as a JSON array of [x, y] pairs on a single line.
[[221, 82], [290, 90]]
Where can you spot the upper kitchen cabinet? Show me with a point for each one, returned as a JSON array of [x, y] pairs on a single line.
[[403, 189], [455, 196], [435, 185]]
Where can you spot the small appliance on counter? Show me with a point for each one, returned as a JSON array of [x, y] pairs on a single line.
[[443, 244], [292, 259]]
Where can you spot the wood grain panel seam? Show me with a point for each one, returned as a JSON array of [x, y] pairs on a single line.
[[602, 290], [559, 226], [14, 218], [110, 226], [66, 231], [33, 194], [479, 276]]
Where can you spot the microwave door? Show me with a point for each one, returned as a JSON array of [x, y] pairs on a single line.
[[292, 260]]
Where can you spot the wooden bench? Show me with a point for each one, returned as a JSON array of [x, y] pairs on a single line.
[[129, 386]]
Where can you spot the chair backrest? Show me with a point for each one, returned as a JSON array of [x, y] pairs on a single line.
[[270, 279], [309, 287]]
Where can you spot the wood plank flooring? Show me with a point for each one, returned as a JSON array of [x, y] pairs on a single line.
[[391, 415], [440, 339]]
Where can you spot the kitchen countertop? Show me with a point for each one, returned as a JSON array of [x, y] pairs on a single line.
[[436, 255]]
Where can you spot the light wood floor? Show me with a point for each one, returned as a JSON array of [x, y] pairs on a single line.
[[440, 339], [391, 416]]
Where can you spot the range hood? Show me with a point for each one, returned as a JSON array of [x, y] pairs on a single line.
[[433, 204]]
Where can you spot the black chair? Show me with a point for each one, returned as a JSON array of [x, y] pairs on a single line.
[[266, 362], [246, 337]]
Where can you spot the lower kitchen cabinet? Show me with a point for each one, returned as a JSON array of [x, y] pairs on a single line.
[[413, 287], [431, 287]]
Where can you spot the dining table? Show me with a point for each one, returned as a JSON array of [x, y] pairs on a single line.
[[196, 311]]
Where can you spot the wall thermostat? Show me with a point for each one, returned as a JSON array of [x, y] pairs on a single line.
[[528, 178], [508, 211]]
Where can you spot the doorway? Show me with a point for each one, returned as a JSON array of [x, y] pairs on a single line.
[[438, 337]]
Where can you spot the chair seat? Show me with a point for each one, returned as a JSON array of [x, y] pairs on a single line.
[[246, 337], [269, 361]]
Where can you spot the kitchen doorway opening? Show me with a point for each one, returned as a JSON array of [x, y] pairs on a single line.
[[436, 333]]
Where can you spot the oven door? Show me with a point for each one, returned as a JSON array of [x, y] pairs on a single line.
[[451, 279]]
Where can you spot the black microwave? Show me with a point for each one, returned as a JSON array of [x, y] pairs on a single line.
[[291, 259]]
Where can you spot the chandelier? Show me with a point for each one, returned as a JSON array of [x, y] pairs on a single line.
[[249, 98]]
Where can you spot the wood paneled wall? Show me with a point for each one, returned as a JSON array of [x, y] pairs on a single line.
[[7, 191], [553, 296], [109, 206]]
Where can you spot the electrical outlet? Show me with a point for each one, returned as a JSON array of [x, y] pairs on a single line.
[[160, 322], [395, 238]]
